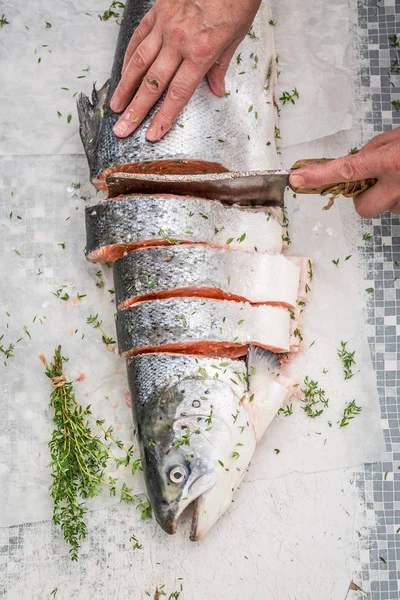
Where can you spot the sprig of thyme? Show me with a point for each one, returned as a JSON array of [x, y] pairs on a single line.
[[289, 97], [347, 359], [313, 398], [351, 411], [94, 320], [7, 351], [61, 293], [286, 411], [394, 41], [208, 420], [111, 13], [251, 34], [184, 440], [396, 105], [79, 458], [100, 280], [160, 591], [167, 238], [135, 543], [285, 225]]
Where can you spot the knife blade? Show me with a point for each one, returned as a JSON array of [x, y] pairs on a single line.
[[248, 188]]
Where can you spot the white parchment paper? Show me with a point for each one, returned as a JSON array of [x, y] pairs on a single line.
[[36, 62], [52, 214], [34, 266], [333, 315], [312, 42]]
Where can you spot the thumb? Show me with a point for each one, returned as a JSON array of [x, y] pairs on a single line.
[[216, 75], [348, 168]]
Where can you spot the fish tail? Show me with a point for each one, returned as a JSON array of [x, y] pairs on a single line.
[[90, 113]]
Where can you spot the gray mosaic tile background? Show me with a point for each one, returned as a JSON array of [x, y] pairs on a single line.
[[380, 21], [379, 484]]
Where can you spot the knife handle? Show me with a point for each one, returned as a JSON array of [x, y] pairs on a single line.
[[348, 189]]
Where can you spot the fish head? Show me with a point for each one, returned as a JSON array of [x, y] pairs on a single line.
[[188, 440], [177, 463]]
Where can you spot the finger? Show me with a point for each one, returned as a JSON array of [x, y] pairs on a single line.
[[139, 64], [151, 88], [382, 139], [381, 197], [348, 168], [179, 93], [139, 35], [216, 75]]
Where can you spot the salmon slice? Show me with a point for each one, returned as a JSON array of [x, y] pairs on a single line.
[[205, 272], [201, 326], [161, 167], [114, 228]]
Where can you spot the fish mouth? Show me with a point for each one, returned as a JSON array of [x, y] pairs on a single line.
[[209, 507], [168, 519], [194, 534]]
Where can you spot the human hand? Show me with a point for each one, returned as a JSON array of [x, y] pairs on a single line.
[[177, 43], [379, 159]]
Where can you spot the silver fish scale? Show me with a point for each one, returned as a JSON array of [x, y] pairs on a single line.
[[167, 268], [150, 374], [233, 131], [138, 218], [195, 320]]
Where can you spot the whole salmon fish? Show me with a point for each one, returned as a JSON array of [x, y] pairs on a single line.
[[206, 302]]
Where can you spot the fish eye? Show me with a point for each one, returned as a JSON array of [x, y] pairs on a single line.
[[177, 474]]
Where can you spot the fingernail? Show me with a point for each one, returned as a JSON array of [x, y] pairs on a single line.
[[155, 133], [218, 88], [114, 104], [122, 128], [296, 180]]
